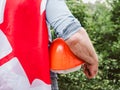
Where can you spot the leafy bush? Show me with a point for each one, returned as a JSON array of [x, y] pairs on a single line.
[[102, 25]]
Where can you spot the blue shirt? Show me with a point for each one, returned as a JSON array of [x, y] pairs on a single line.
[[61, 19]]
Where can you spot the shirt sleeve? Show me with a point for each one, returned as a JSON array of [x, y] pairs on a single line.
[[61, 19]]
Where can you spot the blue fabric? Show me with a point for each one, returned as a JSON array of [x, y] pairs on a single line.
[[54, 83], [61, 19]]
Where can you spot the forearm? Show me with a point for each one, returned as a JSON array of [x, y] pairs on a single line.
[[82, 47]]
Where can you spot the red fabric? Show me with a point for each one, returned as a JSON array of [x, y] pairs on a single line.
[[27, 33]]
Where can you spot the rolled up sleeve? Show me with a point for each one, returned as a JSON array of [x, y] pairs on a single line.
[[61, 19]]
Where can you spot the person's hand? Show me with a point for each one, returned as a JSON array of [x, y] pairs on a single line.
[[90, 70], [80, 44]]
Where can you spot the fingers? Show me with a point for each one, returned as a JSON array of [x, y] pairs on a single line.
[[90, 70]]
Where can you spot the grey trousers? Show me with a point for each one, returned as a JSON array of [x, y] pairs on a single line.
[[54, 81]]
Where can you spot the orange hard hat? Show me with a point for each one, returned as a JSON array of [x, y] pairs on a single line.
[[62, 60]]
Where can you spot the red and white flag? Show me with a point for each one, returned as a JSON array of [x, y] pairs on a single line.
[[24, 63]]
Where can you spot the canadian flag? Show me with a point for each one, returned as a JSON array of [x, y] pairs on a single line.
[[24, 63]]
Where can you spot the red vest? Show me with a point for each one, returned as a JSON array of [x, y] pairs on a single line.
[[24, 26]]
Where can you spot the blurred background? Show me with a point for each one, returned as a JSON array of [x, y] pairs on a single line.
[[101, 19]]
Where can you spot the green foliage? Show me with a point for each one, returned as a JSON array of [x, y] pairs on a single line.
[[77, 8], [103, 26], [116, 12]]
